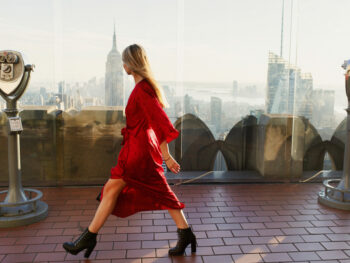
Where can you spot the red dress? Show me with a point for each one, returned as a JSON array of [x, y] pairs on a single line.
[[140, 159]]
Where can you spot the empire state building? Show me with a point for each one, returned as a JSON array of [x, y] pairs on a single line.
[[114, 91]]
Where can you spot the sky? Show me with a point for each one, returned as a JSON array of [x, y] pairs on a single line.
[[186, 40]]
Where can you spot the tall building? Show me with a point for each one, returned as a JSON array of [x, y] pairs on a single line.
[[323, 108], [304, 96], [215, 112], [276, 90], [288, 90], [235, 88], [62, 96], [188, 104], [293, 84], [114, 90]]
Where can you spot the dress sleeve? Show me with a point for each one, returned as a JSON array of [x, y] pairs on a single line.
[[156, 116]]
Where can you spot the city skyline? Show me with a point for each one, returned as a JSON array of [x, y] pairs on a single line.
[[191, 39], [214, 48]]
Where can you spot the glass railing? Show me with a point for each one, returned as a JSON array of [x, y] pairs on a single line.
[[253, 86]]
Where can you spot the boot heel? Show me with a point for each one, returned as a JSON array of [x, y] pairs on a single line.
[[193, 245], [88, 251]]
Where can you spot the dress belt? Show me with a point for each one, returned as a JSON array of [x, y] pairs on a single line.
[[125, 134]]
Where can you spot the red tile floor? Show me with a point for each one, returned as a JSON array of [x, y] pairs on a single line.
[[233, 223]]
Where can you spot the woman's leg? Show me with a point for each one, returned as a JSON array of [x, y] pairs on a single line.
[[185, 234], [111, 190], [179, 218]]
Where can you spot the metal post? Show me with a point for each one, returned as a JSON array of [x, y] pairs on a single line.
[[15, 193], [339, 197], [17, 209]]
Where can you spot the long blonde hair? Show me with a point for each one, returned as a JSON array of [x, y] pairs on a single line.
[[134, 56]]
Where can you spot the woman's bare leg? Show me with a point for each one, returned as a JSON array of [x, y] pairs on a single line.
[[111, 190], [179, 218]]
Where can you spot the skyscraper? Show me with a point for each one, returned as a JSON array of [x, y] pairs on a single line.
[[323, 108], [114, 90], [288, 90], [277, 85], [235, 88], [215, 112], [304, 96]]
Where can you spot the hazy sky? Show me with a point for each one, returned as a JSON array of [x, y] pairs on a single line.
[[191, 40]]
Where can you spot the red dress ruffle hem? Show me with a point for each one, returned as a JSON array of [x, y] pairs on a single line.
[[140, 159]]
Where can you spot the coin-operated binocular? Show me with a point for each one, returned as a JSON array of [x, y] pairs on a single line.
[[339, 196], [17, 209]]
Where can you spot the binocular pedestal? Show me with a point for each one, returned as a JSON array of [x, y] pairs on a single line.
[[18, 208], [339, 196]]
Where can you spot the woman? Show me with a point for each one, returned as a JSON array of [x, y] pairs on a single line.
[[137, 183]]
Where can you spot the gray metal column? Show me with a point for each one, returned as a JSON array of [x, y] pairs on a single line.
[[17, 209], [339, 196]]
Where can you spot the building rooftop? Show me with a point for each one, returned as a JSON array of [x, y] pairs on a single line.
[[232, 222]]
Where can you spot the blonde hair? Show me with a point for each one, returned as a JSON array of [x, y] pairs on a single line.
[[134, 56]]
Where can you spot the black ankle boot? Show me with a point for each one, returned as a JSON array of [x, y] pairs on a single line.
[[86, 240], [186, 237]]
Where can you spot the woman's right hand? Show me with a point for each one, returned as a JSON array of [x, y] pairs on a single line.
[[172, 165]]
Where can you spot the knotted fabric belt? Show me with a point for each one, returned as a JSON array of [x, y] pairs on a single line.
[[125, 134]]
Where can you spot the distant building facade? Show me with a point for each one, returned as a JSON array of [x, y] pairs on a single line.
[[235, 88], [114, 90], [215, 112], [276, 90], [323, 105], [304, 98], [288, 90]]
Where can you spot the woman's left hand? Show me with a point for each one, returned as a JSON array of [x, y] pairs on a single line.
[[172, 165]]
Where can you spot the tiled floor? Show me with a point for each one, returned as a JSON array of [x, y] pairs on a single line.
[[233, 223]]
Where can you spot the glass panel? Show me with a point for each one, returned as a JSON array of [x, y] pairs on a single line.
[[28, 27], [320, 95], [232, 49], [70, 135], [255, 87]]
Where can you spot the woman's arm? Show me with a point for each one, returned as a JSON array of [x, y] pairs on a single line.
[[170, 161], [165, 150], [156, 116]]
